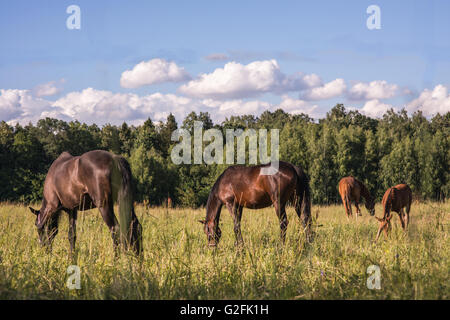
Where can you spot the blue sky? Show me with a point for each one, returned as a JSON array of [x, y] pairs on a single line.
[[330, 39]]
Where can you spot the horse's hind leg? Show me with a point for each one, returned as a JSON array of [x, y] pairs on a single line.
[[282, 217], [401, 216], [306, 222], [358, 211], [136, 239], [72, 229], [110, 219], [347, 206], [406, 216]]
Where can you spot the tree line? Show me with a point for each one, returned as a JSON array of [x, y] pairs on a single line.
[[396, 148]]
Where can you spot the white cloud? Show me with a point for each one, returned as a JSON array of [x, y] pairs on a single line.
[[222, 109], [235, 81], [375, 109], [296, 106], [21, 106], [92, 105], [100, 107], [153, 72], [378, 89], [327, 91], [431, 101], [48, 89]]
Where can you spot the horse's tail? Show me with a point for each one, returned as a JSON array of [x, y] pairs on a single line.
[[130, 228], [303, 189]]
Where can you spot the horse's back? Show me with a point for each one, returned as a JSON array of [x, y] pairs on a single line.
[[404, 193], [400, 196], [97, 158], [250, 188], [54, 172], [348, 186], [72, 177]]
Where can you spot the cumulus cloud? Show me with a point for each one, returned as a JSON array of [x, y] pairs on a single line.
[[21, 106], [153, 72], [296, 106], [48, 89], [378, 89], [92, 105], [100, 107], [431, 101], [327, 91], [375, 109], [235, 81]]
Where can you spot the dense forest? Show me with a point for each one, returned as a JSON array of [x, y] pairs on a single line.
[[381, 152]]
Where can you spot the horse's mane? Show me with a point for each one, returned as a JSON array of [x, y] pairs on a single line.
[[212, 194], [364, 191], [388, 202]]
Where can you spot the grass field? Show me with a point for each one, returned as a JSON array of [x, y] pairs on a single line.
[[178, 265]]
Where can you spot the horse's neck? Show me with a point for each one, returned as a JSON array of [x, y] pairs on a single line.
[[364, 191], [389, 202], [212, 207]]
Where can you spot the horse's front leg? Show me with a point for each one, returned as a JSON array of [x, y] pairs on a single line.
[[72, 230], [236, 213], [237, 226], [348, 208]]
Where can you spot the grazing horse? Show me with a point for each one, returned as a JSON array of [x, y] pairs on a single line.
[[94, 179], [239, 186], [352, 189], [395, 199]]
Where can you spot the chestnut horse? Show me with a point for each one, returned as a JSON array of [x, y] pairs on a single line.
[[395, 199], [239, 186], [94, 179], [352, 189]]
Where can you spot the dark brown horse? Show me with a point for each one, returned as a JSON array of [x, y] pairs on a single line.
[[239, 187], [352, 189], [94, 179], [395, 199]]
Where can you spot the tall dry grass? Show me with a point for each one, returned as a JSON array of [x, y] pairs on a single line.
[[178, 265]]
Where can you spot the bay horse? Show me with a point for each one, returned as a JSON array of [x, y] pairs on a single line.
[[352, 189], [95, 179], [395, 199], [239, 186]]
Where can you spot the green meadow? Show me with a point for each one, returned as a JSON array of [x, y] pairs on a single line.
[[177, 264]]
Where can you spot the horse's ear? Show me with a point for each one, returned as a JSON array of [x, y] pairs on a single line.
[[202, 221], [36, 212]]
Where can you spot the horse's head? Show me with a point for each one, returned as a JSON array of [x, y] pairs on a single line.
[[212, 231], [46, 236], [370, 206], [385, 225]]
